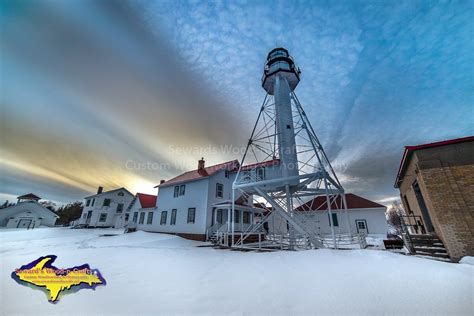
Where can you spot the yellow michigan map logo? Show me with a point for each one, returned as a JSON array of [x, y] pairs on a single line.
[[56, 282]]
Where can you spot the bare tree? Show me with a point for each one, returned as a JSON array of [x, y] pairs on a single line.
[[394, 218]]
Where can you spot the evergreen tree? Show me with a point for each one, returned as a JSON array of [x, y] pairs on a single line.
[[69, 213]]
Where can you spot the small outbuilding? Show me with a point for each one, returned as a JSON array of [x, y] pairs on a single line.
[[365, 216], [27, 213]]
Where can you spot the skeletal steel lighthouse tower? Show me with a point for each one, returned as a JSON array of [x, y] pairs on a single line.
[[285, 168]]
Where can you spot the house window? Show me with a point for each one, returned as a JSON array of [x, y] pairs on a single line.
[[246, 219], [226, 173], [191, 215], [219, 190], [334, 219], [261, 173], [120, 193], [142, 218], [173, 216], [93, 201], [126, 217], [119, 208], [106, 202], [135, 216], [88, 202], [237, 216], [219, 216], [103, 217], [176, 191], [149, 220], [179, 190], [164, 216]]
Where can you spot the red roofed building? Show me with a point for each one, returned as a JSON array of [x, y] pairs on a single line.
[[436, 183], [141, 211], [365, 216], [197, 202]]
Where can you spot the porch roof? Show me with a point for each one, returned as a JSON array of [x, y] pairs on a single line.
[[239, 206]]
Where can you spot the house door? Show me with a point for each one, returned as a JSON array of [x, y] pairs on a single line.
[[88, 219], [423, 208], [361, 225], [24, 223]]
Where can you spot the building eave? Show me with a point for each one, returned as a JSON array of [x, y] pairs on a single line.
[[409, 150], [165, 185], [111, 191]]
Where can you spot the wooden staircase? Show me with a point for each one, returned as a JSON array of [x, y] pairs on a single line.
[[429, 246]]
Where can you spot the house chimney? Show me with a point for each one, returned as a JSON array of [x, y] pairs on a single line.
[[162, 181], [99, 190], [201, 164]]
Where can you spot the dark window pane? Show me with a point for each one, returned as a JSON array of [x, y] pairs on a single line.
[[150, 218], [103, 217], [176, 191], [164, 215], [246, 218], [334, 220], [191, 215], [173, 216]]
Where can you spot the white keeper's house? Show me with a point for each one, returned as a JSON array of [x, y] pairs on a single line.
[[105, 209], [197, 202], [27, 213]]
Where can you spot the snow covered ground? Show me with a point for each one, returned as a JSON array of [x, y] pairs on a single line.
[[150, 274]]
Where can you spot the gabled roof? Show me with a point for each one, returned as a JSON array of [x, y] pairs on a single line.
[[122, 188], [409, 150], [30, 196], [146, 200], [197, 175], [260, 164], [353, 202]]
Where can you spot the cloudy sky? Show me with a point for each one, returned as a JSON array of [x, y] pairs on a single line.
[[118, 93]]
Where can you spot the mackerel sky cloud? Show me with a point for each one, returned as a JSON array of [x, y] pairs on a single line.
[[87, 86]]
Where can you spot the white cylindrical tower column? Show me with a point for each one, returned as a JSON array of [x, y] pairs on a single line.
[[285, 130], [280, 78]]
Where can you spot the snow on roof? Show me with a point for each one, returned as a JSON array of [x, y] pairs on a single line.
[[232, 165], [353, 202], [28, 206], [104, 192], [201, 174], [410, 149], [147, 200]]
